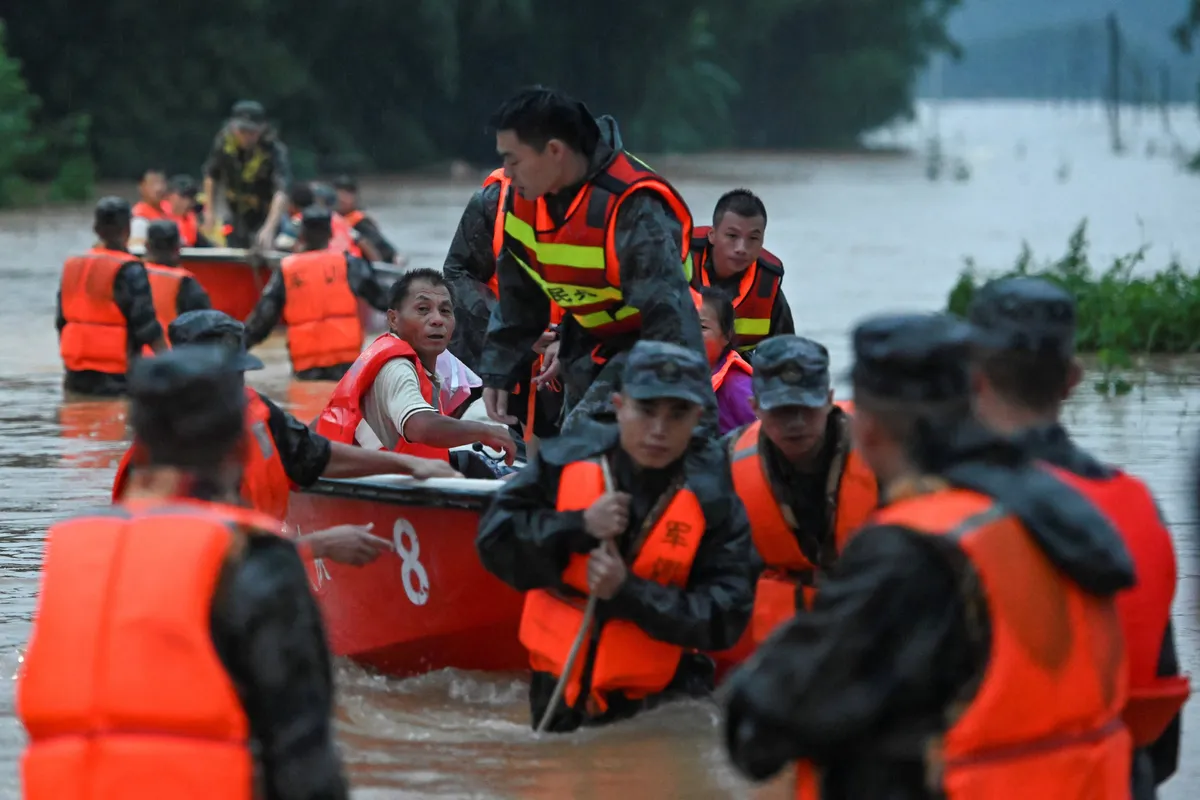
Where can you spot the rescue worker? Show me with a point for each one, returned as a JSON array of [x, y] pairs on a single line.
[[280, 451], [154, 666], [175, 290], [315, 293], [152, 188], [633, 516], [390, 398], [1022, 379], [470, 270], [966, 644], [303, 196], [730, 256], [105, 313], [730, 372], [179, 205], [251, 163], [347, 205], [805, 486], [596, 231]]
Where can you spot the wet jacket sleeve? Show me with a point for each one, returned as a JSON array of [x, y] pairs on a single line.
[[647, 241], [268, 311], [304, 453], [368, 230], [364, 282], [885, 642], [191, 297], [131, 293], [281, 166], [1164, 752], [469, 265], [781, 317], [712, 611], [267, 631], [523, 540], [212, 164], [517, 320]]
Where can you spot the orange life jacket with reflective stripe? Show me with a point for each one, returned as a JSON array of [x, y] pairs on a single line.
[[265, 484], [732, 361], [787, 583], [1046, 720], [1146, 608], [576, 263], [757, 291], [121, 690], [95, 337], [626, 659], [147, 211], [321, 310], [343, 413]]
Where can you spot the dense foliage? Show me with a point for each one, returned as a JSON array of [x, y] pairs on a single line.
[[382, 85], [1120, 314]]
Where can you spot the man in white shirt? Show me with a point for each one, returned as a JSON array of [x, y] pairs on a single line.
[[389, 399]]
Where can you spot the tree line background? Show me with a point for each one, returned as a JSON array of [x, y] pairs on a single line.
[[108, 89]]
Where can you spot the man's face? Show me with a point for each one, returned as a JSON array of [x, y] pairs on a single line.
[[153, 187], [797, 431], [655, 433], [736, 242], [533, 173], [246, 135], [347, 201], [178, 204], [425, 319]]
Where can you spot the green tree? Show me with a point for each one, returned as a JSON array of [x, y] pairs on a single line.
[[17, 139]]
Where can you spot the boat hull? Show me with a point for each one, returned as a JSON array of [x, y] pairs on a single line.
[[233, 279], [427, 606]]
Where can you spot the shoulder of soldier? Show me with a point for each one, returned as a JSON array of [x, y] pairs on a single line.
[[706, 470], [590, 442], [770, 262]]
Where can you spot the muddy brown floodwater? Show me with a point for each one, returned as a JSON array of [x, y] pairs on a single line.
[[859, 234]]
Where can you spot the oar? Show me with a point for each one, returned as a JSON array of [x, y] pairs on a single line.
[[584, 627]]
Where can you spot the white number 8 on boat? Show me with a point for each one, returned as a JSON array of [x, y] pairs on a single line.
[[408, 547]]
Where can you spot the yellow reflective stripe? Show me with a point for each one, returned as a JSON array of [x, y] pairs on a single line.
[[569, 295], [563, 255], [752, 327], [598, 318], [687, 268]]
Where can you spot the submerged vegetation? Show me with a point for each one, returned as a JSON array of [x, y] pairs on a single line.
[[1120, 314]]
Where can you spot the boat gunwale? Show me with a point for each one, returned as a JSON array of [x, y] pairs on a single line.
[[448, 493]]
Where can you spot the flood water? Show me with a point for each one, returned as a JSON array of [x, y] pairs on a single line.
[[858, 234]]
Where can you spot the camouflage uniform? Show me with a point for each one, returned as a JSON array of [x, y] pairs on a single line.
[[648, 241], [469, 266]]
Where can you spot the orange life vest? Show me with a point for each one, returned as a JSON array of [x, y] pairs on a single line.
[[265, 484], [146, 211], [343, 236], [121, 690], [342, 415], [1146, 608], [321, 311], [497, 176], [1046, 719], [354, 217], [95, 337], [576, 263], [776, 599], [164, 286], [189, 227], [757, 291], [732, 361], [627, 660]]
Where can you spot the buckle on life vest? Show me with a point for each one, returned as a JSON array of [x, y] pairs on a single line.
[[1150, 709]]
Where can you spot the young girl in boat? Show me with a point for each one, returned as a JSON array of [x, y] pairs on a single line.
[[730, 372]]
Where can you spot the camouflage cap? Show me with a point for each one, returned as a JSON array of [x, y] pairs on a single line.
[[913, 357], [791, 371], [657, 370], [1023, 313], [210, 326]]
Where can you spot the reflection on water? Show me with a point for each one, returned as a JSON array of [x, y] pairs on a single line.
[[858, 234]]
